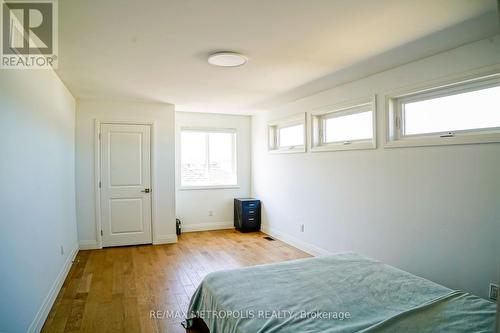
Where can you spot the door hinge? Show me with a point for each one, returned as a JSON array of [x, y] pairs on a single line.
[[101, 232], [99, 184]]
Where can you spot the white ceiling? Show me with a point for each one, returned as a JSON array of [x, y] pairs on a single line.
[[156, 50]]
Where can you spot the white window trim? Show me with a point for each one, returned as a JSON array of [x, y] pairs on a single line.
[[394, 117], [338, 110], [235, 158], [273, 133]]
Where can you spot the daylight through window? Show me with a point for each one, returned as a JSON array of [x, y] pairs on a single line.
[[208, 158]]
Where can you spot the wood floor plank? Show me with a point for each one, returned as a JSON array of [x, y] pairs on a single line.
[[116, 289]]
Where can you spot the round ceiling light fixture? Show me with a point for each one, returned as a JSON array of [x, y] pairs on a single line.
[[227, 59]]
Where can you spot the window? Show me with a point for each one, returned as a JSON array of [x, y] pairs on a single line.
[[291, 136], [208, 158], [344, 126], [458, 113], [287, 135]]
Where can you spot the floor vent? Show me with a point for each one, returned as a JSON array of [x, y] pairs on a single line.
[[269, 238]]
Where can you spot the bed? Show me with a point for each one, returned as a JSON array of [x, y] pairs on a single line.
[[337, 293]]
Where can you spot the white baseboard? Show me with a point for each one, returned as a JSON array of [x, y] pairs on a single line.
[[207, 226], [165, 239], [43, 312], [88, 245], [93, 245], [295, 242]]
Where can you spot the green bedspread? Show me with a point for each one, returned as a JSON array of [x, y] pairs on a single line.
[[338, 293]]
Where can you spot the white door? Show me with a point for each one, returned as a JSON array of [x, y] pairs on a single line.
[[125, 184]]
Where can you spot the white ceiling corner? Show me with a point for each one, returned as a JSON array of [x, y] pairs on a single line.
[[156, 50]]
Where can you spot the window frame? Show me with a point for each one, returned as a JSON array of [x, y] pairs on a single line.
[[273, 130], [395, 123], [319, 117], [208, 130]]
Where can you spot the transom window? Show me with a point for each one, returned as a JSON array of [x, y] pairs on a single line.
[[347, 126], [291, 136], [208, 158], [287, 135], [478, 109], [462, 112]]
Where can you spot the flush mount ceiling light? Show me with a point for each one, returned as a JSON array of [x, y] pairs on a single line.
[[227, 59]]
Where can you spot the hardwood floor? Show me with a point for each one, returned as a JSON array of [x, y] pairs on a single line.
[[115, 289]]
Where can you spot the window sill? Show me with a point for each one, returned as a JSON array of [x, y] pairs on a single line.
[[437, 141], [208, 187], [343, 147], [287, 151]]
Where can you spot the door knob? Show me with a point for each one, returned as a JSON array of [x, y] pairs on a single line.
[[146, 190]]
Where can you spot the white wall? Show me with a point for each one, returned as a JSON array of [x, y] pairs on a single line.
[[163, 161], [433, 211], [37, 195], [193, 206]]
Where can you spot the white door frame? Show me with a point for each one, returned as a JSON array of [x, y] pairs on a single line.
[[97, 173]]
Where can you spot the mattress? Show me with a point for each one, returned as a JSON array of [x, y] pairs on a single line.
[[337, 293]]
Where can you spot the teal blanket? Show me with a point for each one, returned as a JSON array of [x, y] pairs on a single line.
[[338, 293]]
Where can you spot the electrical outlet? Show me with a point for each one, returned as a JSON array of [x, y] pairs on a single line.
[[493, 291], [62, 250], [210, 213], [302, 228]]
